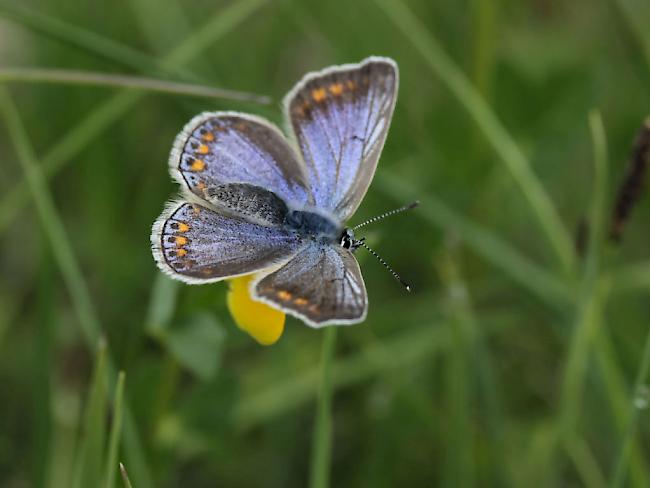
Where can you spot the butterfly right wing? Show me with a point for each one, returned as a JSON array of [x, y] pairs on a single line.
[[339, 118], [196, 244], [321, 285]]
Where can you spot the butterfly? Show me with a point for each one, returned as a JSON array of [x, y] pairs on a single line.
[[255, 201]]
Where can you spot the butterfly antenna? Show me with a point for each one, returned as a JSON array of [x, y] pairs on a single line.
[[360, 242], [388, 214]]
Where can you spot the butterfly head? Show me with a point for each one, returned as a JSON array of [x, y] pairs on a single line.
[[347, 240]]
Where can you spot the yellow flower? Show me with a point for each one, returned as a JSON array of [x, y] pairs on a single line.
[[263, 323]]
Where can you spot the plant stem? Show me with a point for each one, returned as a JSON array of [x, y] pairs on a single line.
[[77, 77], [69, 266], [322, 439], [626, 446], [486, 119]]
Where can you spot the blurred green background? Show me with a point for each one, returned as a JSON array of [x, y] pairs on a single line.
[[515, 362]]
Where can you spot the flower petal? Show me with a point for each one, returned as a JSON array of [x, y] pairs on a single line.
[[263, 323]]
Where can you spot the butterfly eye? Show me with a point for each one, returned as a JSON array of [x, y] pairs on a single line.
[[347, 238]]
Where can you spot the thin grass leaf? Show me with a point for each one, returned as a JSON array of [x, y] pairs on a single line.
[[616, 395], [631, 277], [638, 402], [586, 464], [321, 448], [51, 221], [632, 37], [257, 407], [483, 242], [125, 477], [90, 455], [593, 294], [495, 133], [460, 466], [474, 382], [218, 25], [78, 37], [115, 433], [90, 78], [64, 255], [162, 303]]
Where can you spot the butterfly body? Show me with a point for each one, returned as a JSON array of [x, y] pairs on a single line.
[[255, 201], [313, 226]]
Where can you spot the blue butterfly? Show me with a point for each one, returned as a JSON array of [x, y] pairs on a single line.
[[255, 201]]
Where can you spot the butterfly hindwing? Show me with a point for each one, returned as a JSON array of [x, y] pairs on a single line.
[[196, 244], [321, 285], [339, 118], [220, 148]]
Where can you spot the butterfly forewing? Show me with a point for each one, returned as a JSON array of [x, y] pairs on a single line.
[[220, 148], [196, 244], [321, 285], [340, 118]]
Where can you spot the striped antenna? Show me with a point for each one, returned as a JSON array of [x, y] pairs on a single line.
[[361, 243], [387, 214]]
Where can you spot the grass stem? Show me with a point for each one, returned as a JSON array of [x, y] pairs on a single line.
[[638, 402], [322, 439], [91, 78], [495, 133]]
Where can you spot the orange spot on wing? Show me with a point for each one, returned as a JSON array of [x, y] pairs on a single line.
[[208, 137], [197, 165], [180, 240], [181, 253], [284, 295], [319, 94], [183, 227], [203, 149], [336, 89], [300, 302]]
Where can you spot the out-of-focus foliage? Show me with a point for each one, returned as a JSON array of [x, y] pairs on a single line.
[[510, 364]]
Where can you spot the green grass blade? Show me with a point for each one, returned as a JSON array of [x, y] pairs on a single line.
[[586, 464], [90, 78], [69, 146], [91, 449], [483, 242], [495, 133], [125, 477], [321, 455], [631, 277], [161, 304], [255, 407], [51, 221], [460, 466], [593, 294], [77, 37], [616, 395], [62, 249], [473, 385], [637, 403], [116, 432], [218, 25], [632, 37]]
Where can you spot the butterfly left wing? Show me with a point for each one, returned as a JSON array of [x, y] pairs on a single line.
[[339, 118], [216, 149], [196, 244], [321, 285]]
